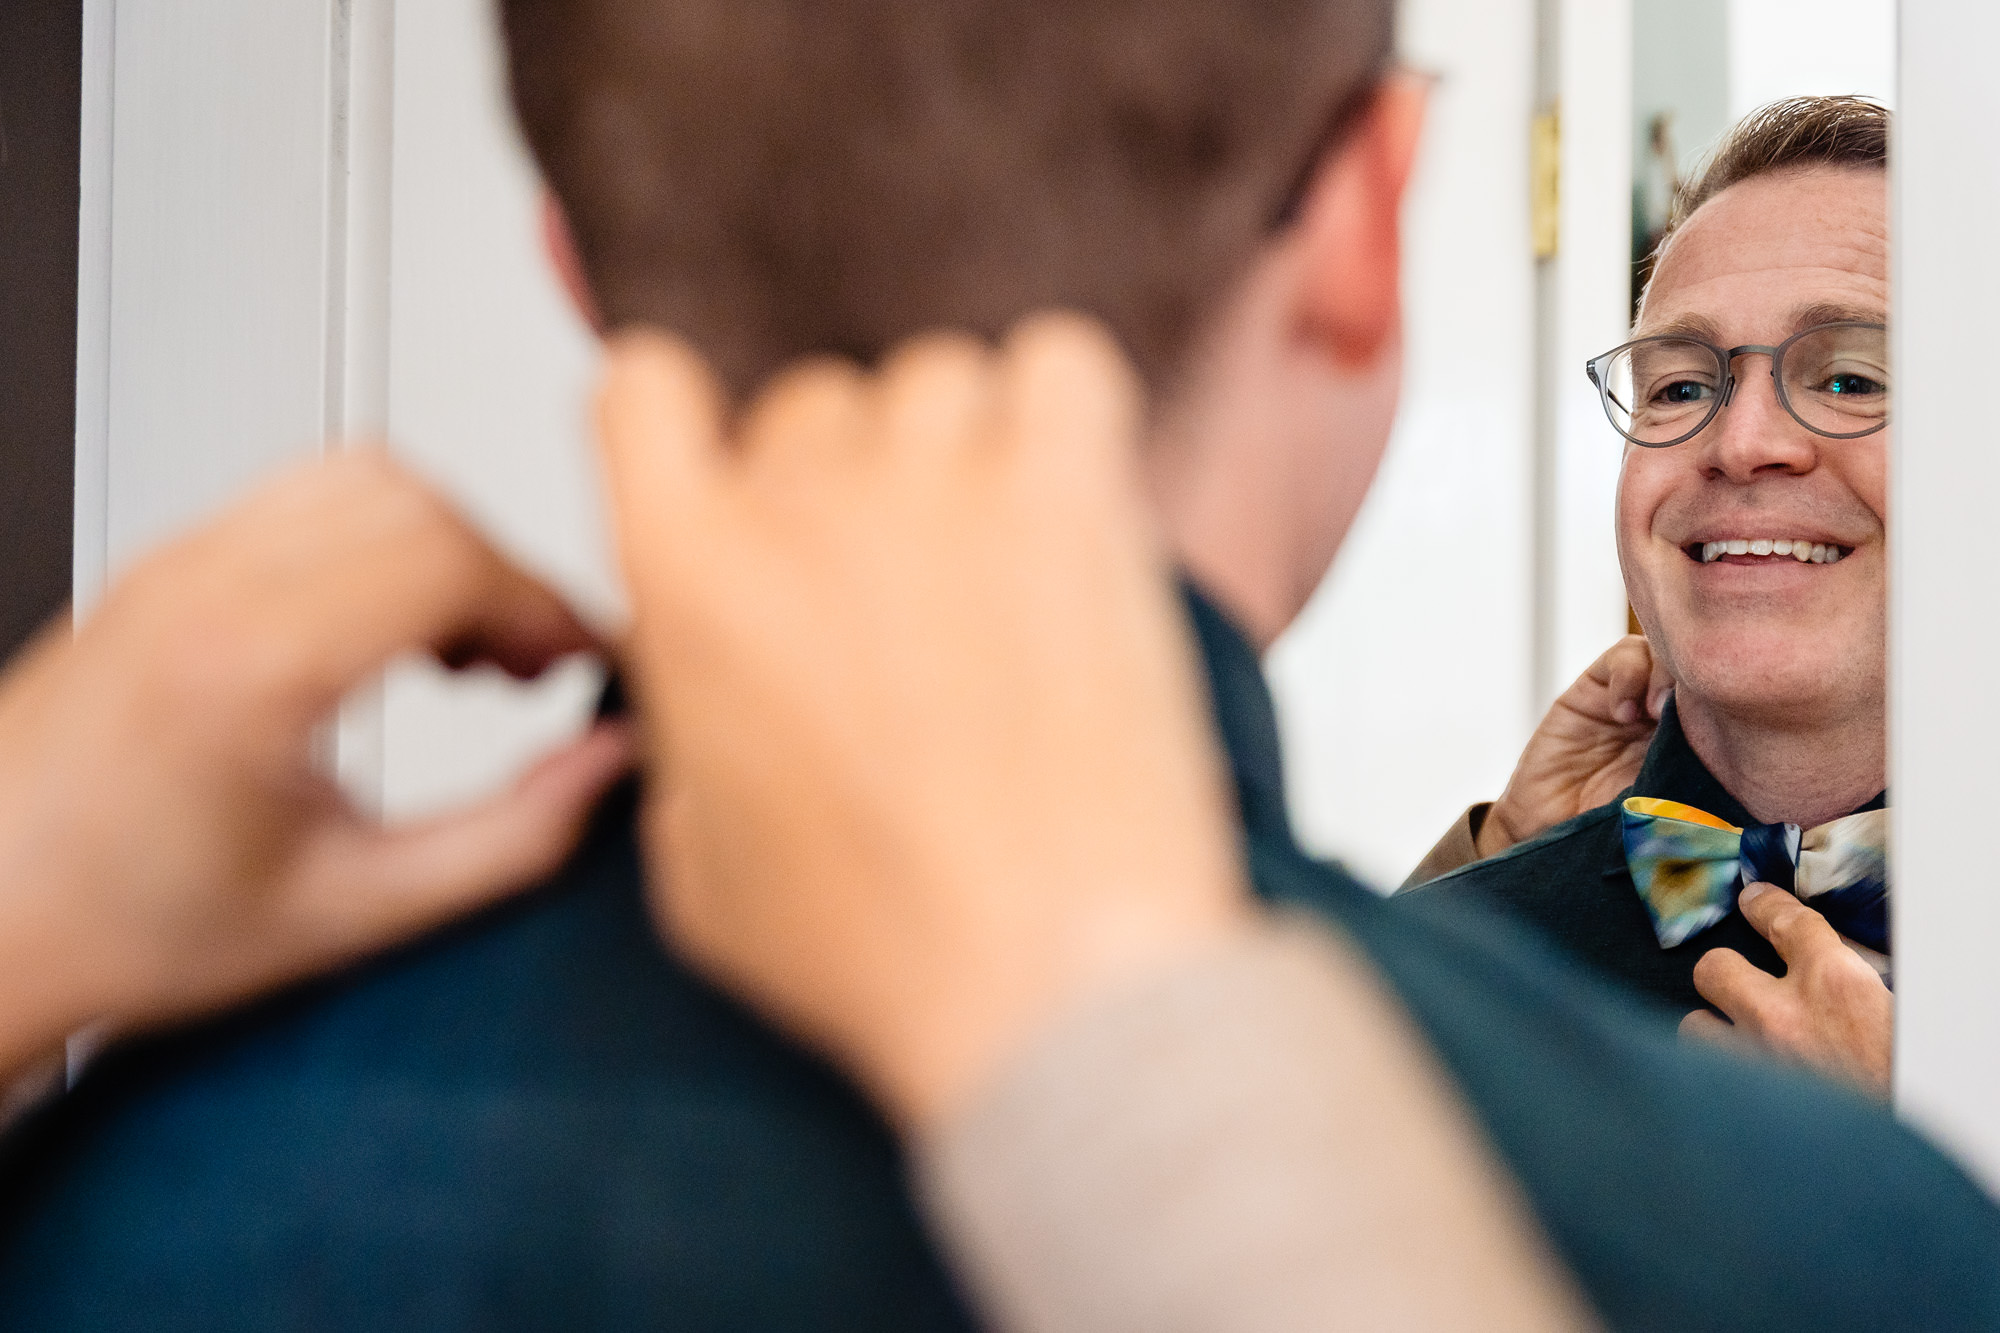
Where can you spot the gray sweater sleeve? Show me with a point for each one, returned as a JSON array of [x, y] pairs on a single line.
[[1256, 1140]]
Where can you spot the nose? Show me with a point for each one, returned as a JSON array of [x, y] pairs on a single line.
[[1753, 436]]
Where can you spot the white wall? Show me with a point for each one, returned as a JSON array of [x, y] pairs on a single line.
[[207, 351], [1790, 48]]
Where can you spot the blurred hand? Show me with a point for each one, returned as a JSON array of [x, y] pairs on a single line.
[[1830, 1010], [167, 844], [931, 753], [1586, 751]]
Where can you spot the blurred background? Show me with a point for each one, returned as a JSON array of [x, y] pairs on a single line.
[[313, 219]]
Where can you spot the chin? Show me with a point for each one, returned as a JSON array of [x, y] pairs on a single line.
[[1777, 674]]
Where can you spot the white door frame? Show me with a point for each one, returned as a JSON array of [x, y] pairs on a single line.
[[1945, 591]]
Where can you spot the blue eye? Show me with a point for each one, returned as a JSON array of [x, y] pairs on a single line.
[[1852, 384], [1682, 391]]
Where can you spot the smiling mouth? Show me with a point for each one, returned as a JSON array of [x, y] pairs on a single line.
[[1756, 550]]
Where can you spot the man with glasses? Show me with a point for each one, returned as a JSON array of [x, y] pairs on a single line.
[[1754, 402]]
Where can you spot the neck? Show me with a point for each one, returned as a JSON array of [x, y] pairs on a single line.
[[1789, 774], [1241, 577]]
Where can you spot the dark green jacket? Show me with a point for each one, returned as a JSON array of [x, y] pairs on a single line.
[[1571, 887], [539, 1120]]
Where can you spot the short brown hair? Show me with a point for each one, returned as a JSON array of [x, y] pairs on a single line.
[[772, 178], [1799, 132]]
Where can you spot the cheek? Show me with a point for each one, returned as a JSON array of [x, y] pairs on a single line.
[[1641, 490], [1867, 474], [1638, 500]]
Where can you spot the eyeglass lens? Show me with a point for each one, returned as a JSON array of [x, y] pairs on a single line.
[[1835, 381]]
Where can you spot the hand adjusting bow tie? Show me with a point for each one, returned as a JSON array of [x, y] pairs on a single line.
[[1689, 866]]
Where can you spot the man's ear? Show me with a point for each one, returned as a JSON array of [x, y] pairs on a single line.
[[1350, 293], [560, 246]]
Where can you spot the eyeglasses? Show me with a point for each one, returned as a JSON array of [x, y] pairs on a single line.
[[1832, 378]]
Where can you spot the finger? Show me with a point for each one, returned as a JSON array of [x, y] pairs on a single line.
[[660, 430], [366, 887], [433, 582], [512, 621], [810, 412], [935, 397], [1796, 931], [1628, 666], [1068, 394], [1736, 986], [1701, 1025], [319, 578]]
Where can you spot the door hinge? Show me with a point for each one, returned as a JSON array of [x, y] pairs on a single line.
[[1545, 181]]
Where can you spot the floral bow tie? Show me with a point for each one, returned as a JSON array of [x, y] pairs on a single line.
[[1688, 866]]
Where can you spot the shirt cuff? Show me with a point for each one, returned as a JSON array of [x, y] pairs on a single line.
[[1229, 1146]]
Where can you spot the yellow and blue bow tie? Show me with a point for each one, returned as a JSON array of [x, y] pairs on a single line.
[[1688, 867]]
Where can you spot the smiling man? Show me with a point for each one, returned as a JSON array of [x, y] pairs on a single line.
[[1754, 402]]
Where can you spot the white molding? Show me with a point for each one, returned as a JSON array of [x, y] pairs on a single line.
[[1584, 591], [234, 268], [1945, 589], [88, 549], [216, 333], [358, 280]]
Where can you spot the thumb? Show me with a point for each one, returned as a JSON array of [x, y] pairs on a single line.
[[367, 887], [1793, 929]]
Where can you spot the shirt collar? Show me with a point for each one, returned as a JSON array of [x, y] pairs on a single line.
[[1244, 716]]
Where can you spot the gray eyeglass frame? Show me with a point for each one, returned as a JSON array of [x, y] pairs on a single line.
[[1598, 368]]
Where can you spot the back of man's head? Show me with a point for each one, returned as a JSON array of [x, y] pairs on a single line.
[[771, 178]]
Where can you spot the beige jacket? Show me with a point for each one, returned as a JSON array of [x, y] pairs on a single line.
[[1457, 848]]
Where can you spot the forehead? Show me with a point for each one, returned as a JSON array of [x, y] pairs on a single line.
[[1755, 259]]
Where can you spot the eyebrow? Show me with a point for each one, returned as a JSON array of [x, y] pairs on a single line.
[[1804, 317], [1686, 326], [1825, 313]]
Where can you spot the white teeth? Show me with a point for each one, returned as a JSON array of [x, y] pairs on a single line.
[[1805, 552]]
